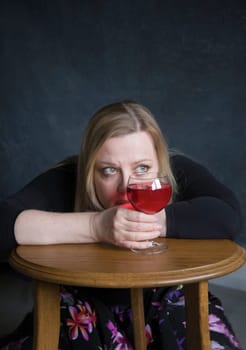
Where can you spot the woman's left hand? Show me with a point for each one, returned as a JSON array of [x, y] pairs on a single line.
[[127, 228]]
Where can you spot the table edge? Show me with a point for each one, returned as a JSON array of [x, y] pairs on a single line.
[[129, 280]]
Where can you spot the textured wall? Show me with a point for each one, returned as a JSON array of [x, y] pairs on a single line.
[[62, 60]]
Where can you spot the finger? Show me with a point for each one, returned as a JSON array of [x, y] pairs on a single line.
[[122, 224], [142, 227], [137, 216], [136, 236]]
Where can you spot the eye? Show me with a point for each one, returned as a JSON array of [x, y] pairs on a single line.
[[109, 171], [142, 168]]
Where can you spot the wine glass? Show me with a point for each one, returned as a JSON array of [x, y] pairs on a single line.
[[149, 193]]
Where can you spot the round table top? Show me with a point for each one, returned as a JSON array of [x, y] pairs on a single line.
[[101, 265]]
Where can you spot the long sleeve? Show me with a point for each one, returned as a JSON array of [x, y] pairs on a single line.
[[51, 191], [204, 207]]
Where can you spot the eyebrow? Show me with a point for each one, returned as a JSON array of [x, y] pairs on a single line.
[[103, 162], [144, 160]]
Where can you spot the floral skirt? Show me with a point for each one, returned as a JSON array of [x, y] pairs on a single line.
[[98, 320]]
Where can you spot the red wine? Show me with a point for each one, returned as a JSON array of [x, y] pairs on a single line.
[[147, 200]]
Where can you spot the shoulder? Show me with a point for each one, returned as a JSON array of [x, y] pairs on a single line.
[[179, 160], [67, 168], [59, 173], [53, 189], [182, 164]]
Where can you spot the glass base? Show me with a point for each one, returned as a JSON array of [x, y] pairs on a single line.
[[155, 249]]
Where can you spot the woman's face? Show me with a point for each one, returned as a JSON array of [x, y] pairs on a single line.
[[116, 160]]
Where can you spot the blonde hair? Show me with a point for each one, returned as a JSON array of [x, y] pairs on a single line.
[[117, 119]]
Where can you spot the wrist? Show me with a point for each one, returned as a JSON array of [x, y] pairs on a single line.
[[162, 221], [94, 232]]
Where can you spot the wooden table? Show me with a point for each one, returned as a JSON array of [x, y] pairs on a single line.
[[188, 262]]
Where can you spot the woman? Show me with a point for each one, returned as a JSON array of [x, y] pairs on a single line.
[[120, 139]]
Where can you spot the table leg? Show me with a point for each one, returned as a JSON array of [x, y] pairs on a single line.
[[46, 316], [196, 305], [138, 318]]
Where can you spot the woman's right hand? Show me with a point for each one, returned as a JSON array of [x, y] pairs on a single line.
[[126, 228]]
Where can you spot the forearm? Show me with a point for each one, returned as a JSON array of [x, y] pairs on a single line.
[[204, 217], [42, 227]]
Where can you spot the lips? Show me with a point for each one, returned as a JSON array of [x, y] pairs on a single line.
[[121, 202], [125, 204]]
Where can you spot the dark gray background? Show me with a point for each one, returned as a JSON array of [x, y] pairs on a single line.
[[61, 60]]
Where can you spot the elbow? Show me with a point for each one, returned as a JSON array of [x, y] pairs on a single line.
[[21, 227], [7, 237], [232, 223]]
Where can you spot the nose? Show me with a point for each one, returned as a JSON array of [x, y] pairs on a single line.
[[123, 180]]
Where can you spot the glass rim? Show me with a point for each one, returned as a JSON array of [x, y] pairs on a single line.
[[149, 175]]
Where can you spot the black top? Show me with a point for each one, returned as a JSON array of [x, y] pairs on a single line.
[[203, 208]]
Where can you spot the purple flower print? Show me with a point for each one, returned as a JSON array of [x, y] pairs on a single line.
[[216, 325], [216, 346], [66, 296], [156, 304], [15, 345], [180, 343], [83, 320], [118, 338], [119, 313], [175, 296], [122, 313], [148, 332]]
